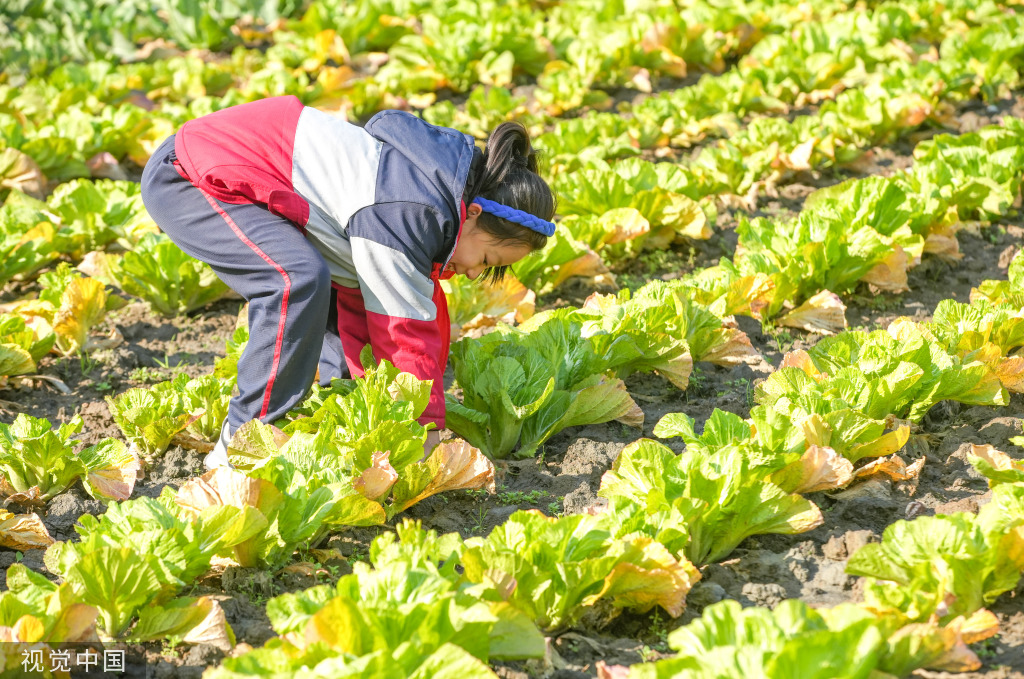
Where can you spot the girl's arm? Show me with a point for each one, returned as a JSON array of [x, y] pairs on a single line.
[[397, 301]]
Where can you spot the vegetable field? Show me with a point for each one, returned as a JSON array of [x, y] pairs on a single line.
[[754, 412]]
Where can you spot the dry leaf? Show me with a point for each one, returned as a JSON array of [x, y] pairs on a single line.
[[189, 442], [100, 343], [735, 350], [117, 482], [823, 313], [891, 273], [213, 629], [893, 467], [376, 480], [221, 486], [822, 468], [302, 568], [23, 531], [28, 498], [104, 165]]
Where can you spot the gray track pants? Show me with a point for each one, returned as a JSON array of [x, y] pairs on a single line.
[[267, 260]]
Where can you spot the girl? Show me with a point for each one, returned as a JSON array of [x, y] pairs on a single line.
[[338, 235]]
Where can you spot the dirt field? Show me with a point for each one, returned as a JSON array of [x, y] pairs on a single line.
[[566, 476]]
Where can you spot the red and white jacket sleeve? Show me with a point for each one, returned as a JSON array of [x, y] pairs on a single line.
[[399, 308]]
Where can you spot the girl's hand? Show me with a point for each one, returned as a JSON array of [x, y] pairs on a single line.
[[433, 438]]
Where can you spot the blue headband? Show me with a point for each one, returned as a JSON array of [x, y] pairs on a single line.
[[518, 216]]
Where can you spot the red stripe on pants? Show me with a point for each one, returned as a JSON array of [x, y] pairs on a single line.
[[284, 301]]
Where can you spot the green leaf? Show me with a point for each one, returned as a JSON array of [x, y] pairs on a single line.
[[171, 621], [34, 455], [117, 581], [150, 418], [554, 570], [171, 281], [950, 557], [745, 501], [791, 641]]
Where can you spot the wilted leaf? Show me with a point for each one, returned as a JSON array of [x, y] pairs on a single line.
[[83, 305], [939, 647], [587, 266], [1010, 371], [255, 441], [680, 213], [891, 273], [735, 349], [453, 465], [823, 313], [104, 165], [981, 625], [802, 360], [475, 306], [893, 467], [611, 671], [942, 242], [213, 629], [23, 531], [887, 444], [995, 465], [819, 468], [376, 480], [27, 629], [799, 158], [113, 469], [19, 171], [171, 620], [15, 361], [222, 486], [77, 623], [633, 417], [623, 224], [100, 266], [652, 578], [677, 371]]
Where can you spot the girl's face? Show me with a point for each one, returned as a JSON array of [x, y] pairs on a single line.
[[477, 250]]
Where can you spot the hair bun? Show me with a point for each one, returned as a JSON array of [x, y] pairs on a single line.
[[509, 150]]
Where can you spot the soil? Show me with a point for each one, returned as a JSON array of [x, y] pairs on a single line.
[[565, 476]]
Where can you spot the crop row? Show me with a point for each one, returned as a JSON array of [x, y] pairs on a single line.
[[64, 125], [615, 210], [849, 398], [852, 398], [63, 119], [350, 455], [813, 64], [896, 220], [868, 230]]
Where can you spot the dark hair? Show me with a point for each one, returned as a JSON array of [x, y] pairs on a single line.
[[509, 176]]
